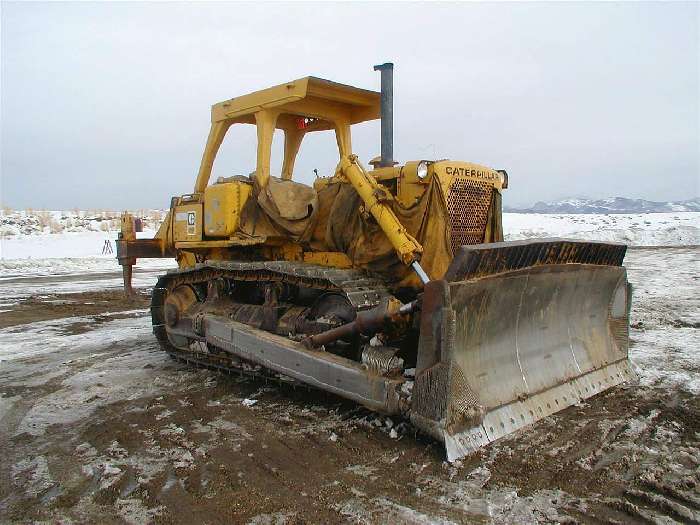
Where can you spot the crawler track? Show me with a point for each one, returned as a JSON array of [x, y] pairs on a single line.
[[362, 290]]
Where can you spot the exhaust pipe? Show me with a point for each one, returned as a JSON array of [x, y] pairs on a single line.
[[387, 113]]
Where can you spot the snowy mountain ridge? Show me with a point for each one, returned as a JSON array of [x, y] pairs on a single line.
[[609, 205]]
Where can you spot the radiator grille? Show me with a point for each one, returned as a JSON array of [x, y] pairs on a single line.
[[468, 203]]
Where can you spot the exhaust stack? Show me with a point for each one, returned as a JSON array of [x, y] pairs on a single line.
[[387, 113]]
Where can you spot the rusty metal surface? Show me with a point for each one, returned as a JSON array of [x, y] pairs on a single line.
[[472, 262], [367, 323], [518, 338], [362, 289], [512, 417], [528, 331], [317, 369], [468, 203], [321, 370], [147, 248], [240, 341], [435, 298]]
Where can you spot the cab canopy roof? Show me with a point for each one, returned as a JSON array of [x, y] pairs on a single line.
[[309, 103]]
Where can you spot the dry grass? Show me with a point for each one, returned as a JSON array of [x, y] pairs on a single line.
[[77, 220]]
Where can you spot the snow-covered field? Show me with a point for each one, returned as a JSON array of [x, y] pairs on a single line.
[[644, 229], [60, 245], [41, 243], [32, 222], [76, 264]]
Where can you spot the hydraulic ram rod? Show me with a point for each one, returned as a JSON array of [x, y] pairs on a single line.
[[366, 323], [407, 248]]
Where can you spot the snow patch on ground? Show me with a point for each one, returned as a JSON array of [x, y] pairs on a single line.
[[33, 339], [33, 267], [668, 358], [32, 475], [644, 229], [63, 245], [109, 380], [276, 518], [665, 327], [76, 279]]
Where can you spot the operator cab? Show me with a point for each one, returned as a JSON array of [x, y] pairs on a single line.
[[296, 108]]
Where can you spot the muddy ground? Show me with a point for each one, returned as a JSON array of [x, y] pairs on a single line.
[[97, 425], [77, 304]]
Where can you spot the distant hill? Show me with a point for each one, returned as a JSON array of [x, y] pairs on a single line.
[[609, 205]]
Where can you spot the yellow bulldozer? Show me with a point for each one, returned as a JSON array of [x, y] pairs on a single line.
[[390, 286]]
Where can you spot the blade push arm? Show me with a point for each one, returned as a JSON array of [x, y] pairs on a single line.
[[373, 194]]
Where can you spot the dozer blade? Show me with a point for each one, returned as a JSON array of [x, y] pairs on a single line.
[[516, 332]]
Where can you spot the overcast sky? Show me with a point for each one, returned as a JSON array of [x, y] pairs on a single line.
[[107, 104]]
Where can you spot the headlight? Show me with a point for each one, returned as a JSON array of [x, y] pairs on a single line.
[[422, 169]]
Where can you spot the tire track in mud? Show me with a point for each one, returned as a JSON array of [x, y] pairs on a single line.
[[637, 463]]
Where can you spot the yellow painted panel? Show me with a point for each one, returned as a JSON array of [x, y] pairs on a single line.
[[448, 170], [332, 259], [361, 103], [187, 225], [222, 207]]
